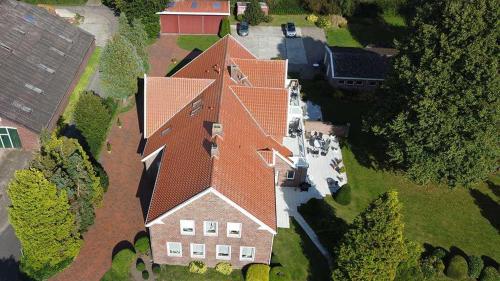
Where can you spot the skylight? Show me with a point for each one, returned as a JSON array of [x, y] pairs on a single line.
[[65, 38], [24, 108], [33, 88], [46, 68], [5, 47], [216, 5], [194, 5], [61, 53]]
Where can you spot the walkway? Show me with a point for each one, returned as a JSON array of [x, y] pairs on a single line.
[[120, 217]]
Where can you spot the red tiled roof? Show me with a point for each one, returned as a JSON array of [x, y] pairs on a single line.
[[166, 96], [198, 7], [238, 172], [263, 73], [266, 106]]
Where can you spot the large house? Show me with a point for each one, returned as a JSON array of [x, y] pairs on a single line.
[[41, 60], [215, 132], [357, 68]]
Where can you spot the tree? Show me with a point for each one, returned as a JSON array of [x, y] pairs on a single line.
[[64, 163], [439, 111], [145, 10], [42, 222], [119, 67], [225, 27], [374, 246], [253, 13], [136, 35]]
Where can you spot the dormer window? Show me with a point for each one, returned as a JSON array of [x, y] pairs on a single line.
[[187, 227]]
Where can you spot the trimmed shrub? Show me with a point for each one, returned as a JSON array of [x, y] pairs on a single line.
[[139, 265], [431, 267], [279, 273], [120, 266], [439, 253], [457, 268], [142, 245], [324, 22], [267, 18], [224, 268], [145, 275], [197, 267], [343, 196], [338, 21], [92, 119], [476, 265], [156, 268], [312, 18], [490, 274], [258, 272], [225, 27]]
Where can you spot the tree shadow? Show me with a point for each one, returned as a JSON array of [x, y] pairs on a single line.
[[9, 270], [493, 187], [490, 209], [192, 55], [124, 244]]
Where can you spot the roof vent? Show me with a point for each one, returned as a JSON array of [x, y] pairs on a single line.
[[19, 30], [216, 129], [33, 88], [214, 150], [5, 47]]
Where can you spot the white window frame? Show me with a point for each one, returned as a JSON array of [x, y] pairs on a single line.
[[247, 259], [197, 256], [186, 232], [288, 175], [168, 249], [234, 235], [205, 228], [217, 252]]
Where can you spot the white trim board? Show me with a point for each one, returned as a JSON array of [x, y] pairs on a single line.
[[212, 190]]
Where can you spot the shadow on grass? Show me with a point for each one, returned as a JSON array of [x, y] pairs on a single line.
[[490, 209], [192, 55]]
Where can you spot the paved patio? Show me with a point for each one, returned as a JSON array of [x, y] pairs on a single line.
[[120, 217], [161, 54]]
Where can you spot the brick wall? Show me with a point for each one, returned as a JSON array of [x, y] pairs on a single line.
[[282, 168], [209, 208], [29, 139]]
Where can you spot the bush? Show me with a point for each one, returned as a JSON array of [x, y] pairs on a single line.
[[156, 268], [145, 275], [268, 18], [103, 176], [279, 273], [338, 21], [431, 266], [457, 268], [139, 265], [142, 245], [490, 274], [120, 266], [92, 119], [225, 27], [324, 22], [253, 13], [312, 18], [224, 268], [476, 265], [439, 253], [197, 267], [258, 272], [343, 195]]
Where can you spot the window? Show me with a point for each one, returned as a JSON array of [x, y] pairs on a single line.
[[165, 132], [359, 82], [198, 251], [290, 175], [187, 227], [341, 82], [350, 82], [372, 83], [174, 249], [234, 229], [247, 253], [210, 228], [9, 138], [223, 252]]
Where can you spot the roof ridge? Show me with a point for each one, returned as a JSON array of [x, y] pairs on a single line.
[[260, 60], [257, 87]]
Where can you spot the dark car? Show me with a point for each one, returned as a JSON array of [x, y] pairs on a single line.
[[290, 30], [243, 28]]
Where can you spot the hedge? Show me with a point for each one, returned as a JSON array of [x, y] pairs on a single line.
[[286, 7], [258, 272], [457, 268], [343, 196], [225, 27]]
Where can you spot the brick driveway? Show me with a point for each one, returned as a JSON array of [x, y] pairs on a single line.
[[120, 217], [162, 52]]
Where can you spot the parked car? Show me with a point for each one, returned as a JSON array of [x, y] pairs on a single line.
[[290, 30], [243, 28]]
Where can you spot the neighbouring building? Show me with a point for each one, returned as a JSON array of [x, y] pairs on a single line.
[[222, 133], [41, 60], [193, 17], [357, 68]]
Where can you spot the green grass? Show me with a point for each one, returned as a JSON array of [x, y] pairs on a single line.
[[278, 20], [181, 273], [433, 214], [83, 83], [297, 254], [360, 32], [200, 42]]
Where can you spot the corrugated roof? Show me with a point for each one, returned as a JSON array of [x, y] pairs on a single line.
[[238, 171], [40, 55]]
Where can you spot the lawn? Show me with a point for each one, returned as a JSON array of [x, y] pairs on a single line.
[[181, 273], [434, 214], [200, 42], [297, 254], [84, 81], [278, 20], [380, 31]]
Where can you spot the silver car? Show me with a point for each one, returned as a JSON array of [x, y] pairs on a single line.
[[290, 30]]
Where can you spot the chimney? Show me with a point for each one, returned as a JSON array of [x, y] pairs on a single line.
[[216, 129], [214, 150]]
